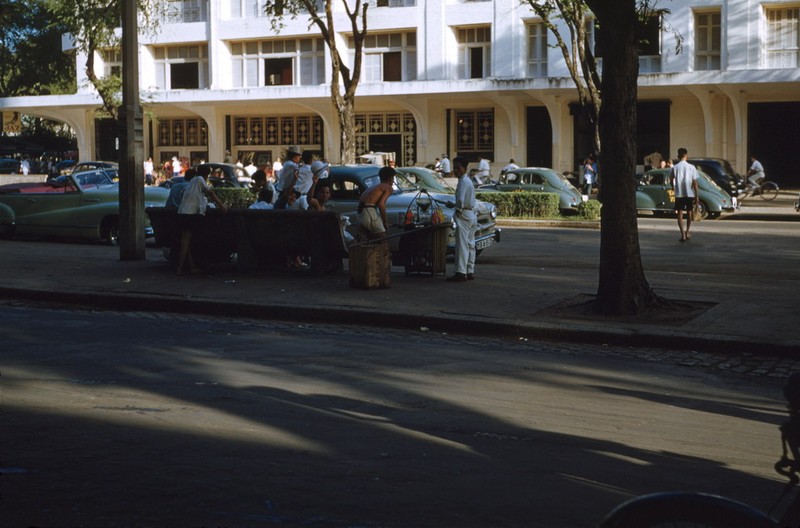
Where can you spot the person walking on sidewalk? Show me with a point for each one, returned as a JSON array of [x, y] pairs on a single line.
[[684, 181], [466, 223]]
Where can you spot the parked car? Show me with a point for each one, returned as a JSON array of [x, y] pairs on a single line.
[[224, 174], [61, 168], [9, 166], [721, 171], [349, 181], [427, 179], [83, 205], [538, 179], [94, 165], [655, 194]]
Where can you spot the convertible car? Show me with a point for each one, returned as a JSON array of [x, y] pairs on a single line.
[[655, 194], [83, 205], [408, 204]]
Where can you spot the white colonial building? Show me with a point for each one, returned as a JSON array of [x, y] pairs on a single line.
[[478, 78]]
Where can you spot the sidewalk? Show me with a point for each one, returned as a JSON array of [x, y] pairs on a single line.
[[508, 299]]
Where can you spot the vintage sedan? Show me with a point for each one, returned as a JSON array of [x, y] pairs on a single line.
[[407, 204], [654, 194], [538, 179], [82, 205]]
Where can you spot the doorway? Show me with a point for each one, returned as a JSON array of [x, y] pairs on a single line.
[[539, 148], [387, 143], [773, 130]]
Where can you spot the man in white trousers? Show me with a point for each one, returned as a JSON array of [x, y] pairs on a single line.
[[466, 223]]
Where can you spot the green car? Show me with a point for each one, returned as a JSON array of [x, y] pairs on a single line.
[[655, 194], [82, 205], [538, 179], [427, 179]]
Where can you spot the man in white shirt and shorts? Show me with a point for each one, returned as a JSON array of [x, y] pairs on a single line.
[[684, 181]]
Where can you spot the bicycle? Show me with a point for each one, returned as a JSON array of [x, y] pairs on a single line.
[[767, 190], [700, 510]]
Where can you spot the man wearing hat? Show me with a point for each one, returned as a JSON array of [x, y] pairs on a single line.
[[288, 176]]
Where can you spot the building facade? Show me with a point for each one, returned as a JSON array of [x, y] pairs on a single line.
[[470, 77]]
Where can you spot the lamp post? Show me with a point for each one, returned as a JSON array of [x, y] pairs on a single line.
[[131, 181]]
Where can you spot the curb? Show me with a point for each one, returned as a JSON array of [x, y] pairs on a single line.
[[466, 325]]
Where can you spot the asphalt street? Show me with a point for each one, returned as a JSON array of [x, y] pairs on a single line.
[[150, 419]]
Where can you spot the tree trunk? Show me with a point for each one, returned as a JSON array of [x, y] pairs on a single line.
[[623, 288], [347, 126]]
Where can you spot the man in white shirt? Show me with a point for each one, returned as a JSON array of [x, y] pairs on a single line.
[[484, 172], [447, 172], [755, 173], [250, 168], [466, 223], [287, 177], [305, 179], [684, 181], [148, 171], [512, 165]]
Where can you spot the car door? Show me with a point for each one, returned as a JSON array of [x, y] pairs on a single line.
[[534, 181], [46, 212], [657, 186]]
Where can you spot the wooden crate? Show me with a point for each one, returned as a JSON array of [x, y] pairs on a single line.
[[370, 266], [424, 250]]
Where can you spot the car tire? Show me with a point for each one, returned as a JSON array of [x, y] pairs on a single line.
[[109, 231], [704, 214]]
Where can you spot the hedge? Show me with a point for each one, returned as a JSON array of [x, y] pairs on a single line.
[[522, 203], [589, 210]]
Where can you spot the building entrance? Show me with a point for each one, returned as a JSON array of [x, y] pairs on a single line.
[[772, 132]]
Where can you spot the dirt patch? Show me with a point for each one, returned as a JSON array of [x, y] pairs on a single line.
[[668, 312]]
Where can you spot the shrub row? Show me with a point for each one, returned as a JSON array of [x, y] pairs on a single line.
[[509, 204], [523, 203]]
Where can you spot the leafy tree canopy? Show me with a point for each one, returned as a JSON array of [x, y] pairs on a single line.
[[31, 60]]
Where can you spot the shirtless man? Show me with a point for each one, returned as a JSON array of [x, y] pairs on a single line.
[[372, 205]]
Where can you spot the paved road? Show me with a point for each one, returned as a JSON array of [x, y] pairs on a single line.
[[150, 419]]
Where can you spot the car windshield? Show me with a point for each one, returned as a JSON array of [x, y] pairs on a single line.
[[401, 182], [93, 178], [427, 179]]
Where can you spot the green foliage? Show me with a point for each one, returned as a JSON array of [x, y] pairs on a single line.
[[31, 61], [236, 198], [523, 204], [589, 210]]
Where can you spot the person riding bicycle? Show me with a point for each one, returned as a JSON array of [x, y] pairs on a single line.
[[755, 174]]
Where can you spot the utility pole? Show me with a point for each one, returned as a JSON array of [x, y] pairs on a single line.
[[131, 178]]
